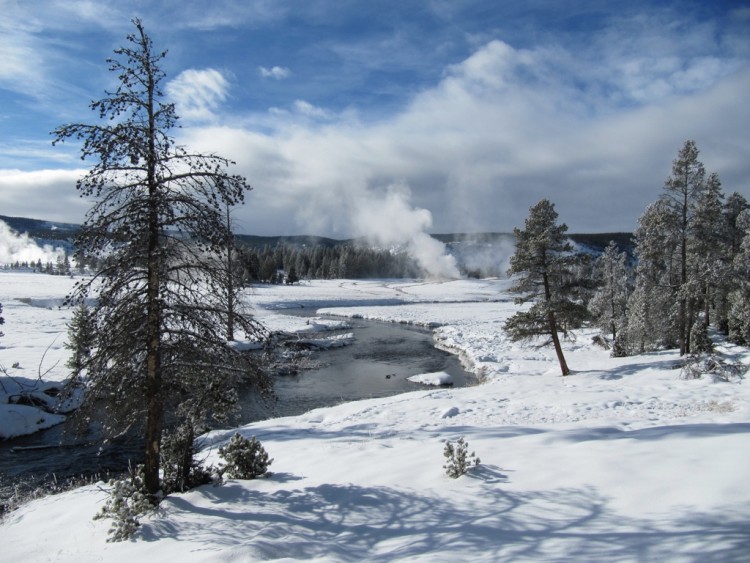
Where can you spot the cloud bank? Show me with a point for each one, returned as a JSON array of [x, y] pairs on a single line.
[[501, 130]]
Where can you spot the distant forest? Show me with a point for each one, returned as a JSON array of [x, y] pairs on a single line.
[[288, 259]]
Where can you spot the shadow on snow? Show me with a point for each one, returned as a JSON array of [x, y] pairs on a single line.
[[348, 522]]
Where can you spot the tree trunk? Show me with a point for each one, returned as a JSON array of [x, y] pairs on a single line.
[[154, 397], [556, 340], [707, 305], [683, 321], [553, 327], [230, 284], [689, 322], [186, 460]]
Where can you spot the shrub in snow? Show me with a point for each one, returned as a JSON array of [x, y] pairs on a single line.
[[459, 461], [127, 502], [697, 365], [180, 470], [243, 458], [700, 342]]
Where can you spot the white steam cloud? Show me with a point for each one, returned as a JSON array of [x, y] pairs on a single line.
[[16, 247], [392, 220], [485, 255]]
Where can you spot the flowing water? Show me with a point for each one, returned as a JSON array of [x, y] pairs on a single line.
[[377, 364]]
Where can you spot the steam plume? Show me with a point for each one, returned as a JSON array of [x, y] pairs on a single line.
[[393, 220], [16, 247]]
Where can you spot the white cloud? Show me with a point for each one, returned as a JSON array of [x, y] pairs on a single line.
[[42, 194], [198, 93], [501, 130], [276, 72], [307, 109]]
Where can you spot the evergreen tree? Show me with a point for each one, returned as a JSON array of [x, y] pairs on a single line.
[[292, 276], [158, 217], [739, 298], [652, 319], [681, 192], [544, 265], [733, 207], [608, 306], [81, 341], [709, 257]]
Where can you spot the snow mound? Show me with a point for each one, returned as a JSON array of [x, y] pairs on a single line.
[[437, 378], [450, 412]]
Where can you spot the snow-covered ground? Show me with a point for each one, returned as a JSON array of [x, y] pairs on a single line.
[[621, 461]]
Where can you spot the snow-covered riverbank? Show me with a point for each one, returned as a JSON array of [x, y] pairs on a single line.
[[621, 461]]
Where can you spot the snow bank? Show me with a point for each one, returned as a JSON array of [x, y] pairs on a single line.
[[19, 420]]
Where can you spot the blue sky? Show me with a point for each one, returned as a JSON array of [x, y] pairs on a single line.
[[377, 117]]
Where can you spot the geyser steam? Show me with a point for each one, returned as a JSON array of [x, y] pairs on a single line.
[[392, 220], [16, 247]]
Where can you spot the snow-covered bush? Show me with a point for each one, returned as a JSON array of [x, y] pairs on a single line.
[[459, 461], [696, 366], [126, 503], [243, 458]]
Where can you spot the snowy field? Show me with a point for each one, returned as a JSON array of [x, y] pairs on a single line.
[[621, 461]]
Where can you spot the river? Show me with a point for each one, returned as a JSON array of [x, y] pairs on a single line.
[[377, 364]]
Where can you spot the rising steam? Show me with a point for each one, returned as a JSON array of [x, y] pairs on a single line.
[[16, 247], [391, 220]]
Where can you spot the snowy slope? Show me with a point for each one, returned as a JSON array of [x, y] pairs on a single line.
[[621, 461]]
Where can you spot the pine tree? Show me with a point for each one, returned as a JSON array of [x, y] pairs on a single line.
[[292, 276], [544, 265], [733, 207], [709, 261], [681, 192], [739, 298], [652, 313], [81, 341], [158, 219], [608, 306]]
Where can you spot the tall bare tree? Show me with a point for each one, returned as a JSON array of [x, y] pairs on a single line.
[[157, 223]]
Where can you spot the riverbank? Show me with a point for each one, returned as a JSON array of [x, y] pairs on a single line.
[[620, 461]]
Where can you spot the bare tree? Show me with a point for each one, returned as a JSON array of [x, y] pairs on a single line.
[[157, 223]]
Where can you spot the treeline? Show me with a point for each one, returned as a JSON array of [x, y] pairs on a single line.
[[691, 273], [289, 264], [61, 266]]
